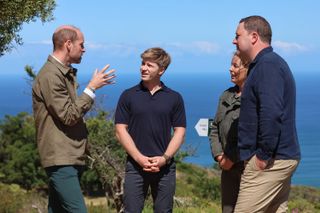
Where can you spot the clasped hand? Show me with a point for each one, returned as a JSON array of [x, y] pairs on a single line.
[[153, 164]]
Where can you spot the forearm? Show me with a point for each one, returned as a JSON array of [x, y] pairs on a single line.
[[215, 144], [127, 142], [176, 141]]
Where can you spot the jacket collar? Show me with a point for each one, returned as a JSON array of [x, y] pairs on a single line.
[[63, 68]]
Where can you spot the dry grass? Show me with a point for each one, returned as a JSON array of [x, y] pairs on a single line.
[[95, 201]]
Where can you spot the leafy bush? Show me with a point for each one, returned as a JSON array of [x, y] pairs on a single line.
[[197, 182], [13, 199], [197, 189], [10, 198], [304, 199], [19, 158], [301, 205]]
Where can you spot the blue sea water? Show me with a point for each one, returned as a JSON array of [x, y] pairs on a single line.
[[201, 93]]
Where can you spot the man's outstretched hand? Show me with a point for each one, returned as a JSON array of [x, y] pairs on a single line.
[[102, 78]]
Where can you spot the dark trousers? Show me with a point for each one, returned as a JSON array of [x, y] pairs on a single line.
[[137, 183], [64, 189], [230, 184]]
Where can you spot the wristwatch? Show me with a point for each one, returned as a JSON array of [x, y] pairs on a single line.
[[92, 89], [167, 157]]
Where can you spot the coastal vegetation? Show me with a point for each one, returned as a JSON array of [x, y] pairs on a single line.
[[23, 182]]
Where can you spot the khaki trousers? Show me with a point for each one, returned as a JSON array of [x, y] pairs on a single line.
[[265, 190]]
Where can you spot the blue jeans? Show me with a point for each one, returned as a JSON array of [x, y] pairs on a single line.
[[137, 182], [65, 194]]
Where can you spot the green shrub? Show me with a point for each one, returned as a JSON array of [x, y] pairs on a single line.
[[19, 158], [10, 198], [13, 199], [301, 205]]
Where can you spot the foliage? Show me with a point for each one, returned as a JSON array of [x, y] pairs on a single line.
[[183, 152], [197, 190], [19, 159], [308, 193], [187, 200], [9, 202], [304, 199], [197, 182], [13, 199], [31, 74], [302, 205], [13, 13], [107, 157]]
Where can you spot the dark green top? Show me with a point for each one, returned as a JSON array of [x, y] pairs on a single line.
[[224, 134]]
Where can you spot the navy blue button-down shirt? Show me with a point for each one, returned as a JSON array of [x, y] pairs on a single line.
[[150, 118], [267, 124]]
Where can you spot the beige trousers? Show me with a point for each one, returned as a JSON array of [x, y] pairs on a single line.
[[265, 190]]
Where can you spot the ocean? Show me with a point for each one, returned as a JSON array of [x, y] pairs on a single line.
[[201, 92]]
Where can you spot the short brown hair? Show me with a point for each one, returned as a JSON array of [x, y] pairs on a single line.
[[244, 62], [259, 25], [157, 55], [62, 34]]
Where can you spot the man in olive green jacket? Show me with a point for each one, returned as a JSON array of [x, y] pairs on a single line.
[[58, 113]]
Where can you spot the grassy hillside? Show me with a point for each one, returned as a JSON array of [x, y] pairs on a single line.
[[197, 191]]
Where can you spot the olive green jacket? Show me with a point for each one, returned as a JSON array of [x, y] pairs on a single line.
[[58, 112], [224, 134]]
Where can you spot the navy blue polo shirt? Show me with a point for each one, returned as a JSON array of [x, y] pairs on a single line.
[[150, 118]]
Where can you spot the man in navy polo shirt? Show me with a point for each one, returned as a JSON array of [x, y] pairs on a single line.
[[145, 117]]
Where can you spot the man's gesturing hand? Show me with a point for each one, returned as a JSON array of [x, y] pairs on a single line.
[[100, 78]]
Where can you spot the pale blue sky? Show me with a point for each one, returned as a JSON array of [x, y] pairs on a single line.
[[198, 34]]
